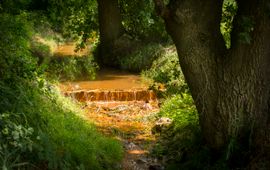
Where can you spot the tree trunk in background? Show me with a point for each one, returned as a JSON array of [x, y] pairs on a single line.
[[231, 88], [110, 28]]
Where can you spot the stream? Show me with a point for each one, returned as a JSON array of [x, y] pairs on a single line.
[[122, 107]]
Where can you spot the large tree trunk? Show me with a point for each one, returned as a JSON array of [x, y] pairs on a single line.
[[231, 88], [110, 28]]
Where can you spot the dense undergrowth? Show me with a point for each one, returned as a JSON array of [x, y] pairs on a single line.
[[61, 68], [40, 129], [71, 68]]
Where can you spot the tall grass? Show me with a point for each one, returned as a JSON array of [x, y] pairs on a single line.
[[40, 129]]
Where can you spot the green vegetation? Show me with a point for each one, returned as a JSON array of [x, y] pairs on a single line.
[[61, 68], [228, 12], [140, 58], [165, 71], [179, 144], [141, 22], [71, 68], [39, 127]]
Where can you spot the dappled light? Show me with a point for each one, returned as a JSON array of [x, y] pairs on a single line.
[[134, 85], [69, 49]]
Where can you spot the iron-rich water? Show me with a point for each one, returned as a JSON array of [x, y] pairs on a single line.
[[110, 85]]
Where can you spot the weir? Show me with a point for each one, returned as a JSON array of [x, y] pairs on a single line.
[[110, 85], [112, 95]]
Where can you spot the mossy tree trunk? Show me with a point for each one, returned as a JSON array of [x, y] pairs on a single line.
[[231, 88], [110, 28]]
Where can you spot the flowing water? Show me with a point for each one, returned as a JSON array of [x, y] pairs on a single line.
[[110, 85], [121, 106]]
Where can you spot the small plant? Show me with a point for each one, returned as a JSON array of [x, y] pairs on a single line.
[[166, 71], [181, 109], [16, 139]]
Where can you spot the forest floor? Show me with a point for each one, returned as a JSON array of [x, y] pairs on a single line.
[[128, 121]]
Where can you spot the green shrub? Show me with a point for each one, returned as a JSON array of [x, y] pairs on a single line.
[[16, 60], [141, 58], [181, 109], [180, 143], [166, 70], [71, 68]]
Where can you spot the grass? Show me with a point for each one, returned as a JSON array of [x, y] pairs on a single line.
[[41, 129], [61, 136]]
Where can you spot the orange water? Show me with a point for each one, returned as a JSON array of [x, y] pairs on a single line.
[[108, 79]]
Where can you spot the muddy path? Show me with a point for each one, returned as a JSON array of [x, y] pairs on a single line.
[[122, 107]]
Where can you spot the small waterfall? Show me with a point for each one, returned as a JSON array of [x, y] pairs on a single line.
[[113, 95], [134, 92]]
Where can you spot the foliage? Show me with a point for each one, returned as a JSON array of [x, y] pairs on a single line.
[[71, 68], [140, 20], [15, 140], [247, 26], [42, 26], [16, 60], [181, 109], [165, 70], [181, 140], [228, 12], [15, 7], [140, 58], [86, 148], [39, 127], [180, 146], [56, 122], [43, 44], [74, 18]]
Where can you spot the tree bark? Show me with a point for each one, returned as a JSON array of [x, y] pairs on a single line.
[[231, 88], [110, 28]]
